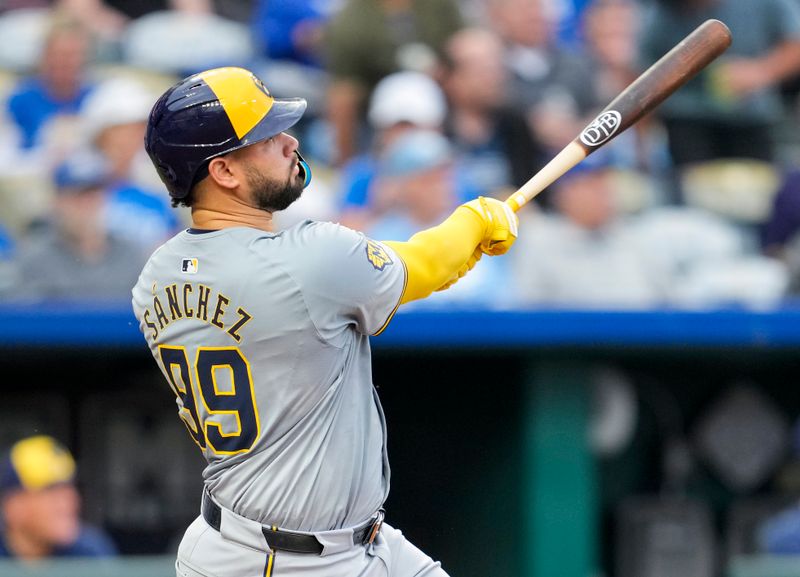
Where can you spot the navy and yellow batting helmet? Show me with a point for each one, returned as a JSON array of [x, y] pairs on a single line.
[[210, 114]]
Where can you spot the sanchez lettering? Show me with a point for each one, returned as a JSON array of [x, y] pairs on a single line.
[[194, 301]]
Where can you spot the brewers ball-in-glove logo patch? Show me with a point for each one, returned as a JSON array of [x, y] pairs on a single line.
[[377, 255]]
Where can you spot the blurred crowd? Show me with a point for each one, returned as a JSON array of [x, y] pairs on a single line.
[[414, 107]]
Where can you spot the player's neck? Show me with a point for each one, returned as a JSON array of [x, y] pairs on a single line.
[[226, 211]]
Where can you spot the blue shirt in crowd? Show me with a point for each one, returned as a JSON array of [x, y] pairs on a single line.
[[6, 244], [140, 216], [359, 174], [274, 24], [30, 106]]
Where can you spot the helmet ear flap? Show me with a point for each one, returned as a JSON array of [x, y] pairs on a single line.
[[304, 168], [167, 172]]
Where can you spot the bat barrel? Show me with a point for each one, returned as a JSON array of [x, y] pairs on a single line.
[[657, 83]]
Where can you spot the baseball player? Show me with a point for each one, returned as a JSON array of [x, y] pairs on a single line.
[[263, 336]]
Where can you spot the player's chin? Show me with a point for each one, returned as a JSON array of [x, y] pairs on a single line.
[[284, 198]]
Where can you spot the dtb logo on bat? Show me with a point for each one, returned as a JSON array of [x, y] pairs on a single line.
[[602, 128]]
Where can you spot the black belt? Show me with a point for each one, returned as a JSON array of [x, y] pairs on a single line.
[[289, 540]]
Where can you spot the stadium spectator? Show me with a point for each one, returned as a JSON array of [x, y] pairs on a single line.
[[729, 109], [114, 121], [417, 173], [784, 220], [181, 37], [418, 178], [401, 102], [103, 22], [74, 257], [98, 16], [497, 150], [590, 254], [38, 123], [59, 87], [289, 38], [41, 505], [611, 31], [369, 39], [587, 255], [552, 86], [291, 29], [108, 19], [568, 17]]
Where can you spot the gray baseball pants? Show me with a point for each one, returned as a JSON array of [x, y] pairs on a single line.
[[239, 549]]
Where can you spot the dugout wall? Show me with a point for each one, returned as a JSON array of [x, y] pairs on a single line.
[[488, 416]]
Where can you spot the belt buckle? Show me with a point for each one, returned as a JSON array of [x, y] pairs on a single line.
[[376, 527]]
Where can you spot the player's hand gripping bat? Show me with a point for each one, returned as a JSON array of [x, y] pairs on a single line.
[[672, 71]]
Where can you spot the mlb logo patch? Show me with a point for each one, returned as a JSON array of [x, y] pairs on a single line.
[[189, 266]]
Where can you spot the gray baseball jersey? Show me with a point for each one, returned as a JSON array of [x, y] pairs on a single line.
[[264, 339]]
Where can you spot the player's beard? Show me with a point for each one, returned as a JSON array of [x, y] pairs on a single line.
[[270, 194]]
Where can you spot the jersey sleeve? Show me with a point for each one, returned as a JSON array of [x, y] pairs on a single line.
[[346, 278]]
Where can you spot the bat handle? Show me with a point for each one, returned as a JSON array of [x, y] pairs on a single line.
[[513, 203], [569, 156]]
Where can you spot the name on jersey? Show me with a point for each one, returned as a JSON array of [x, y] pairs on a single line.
[[194, 301]]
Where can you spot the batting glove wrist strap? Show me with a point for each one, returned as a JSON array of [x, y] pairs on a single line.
[[500, 222]]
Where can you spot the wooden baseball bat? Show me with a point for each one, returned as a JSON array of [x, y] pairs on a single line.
[[655, 84]]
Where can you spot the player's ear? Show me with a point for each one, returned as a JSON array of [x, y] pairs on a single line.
[[221, 172]]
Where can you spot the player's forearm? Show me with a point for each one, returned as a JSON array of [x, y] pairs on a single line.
[[433, 257]]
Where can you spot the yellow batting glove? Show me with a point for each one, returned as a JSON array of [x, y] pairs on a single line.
[[465, 268], [502, 224]]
